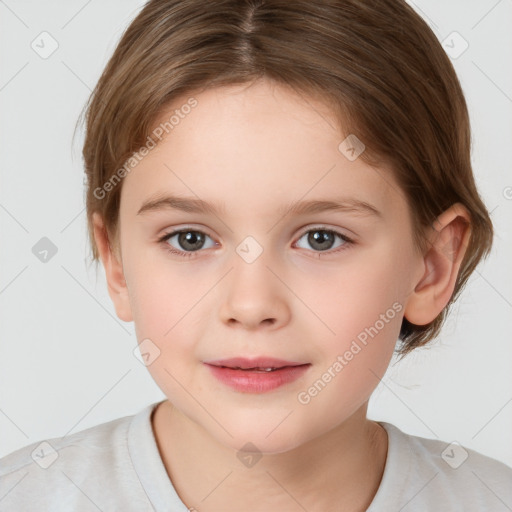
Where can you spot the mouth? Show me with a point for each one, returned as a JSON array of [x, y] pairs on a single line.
[[256, 375], [258, 364]]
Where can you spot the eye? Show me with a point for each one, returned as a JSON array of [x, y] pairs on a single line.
[[188, 240], [322, 239]]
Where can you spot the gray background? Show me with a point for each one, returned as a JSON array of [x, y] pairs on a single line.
[[66, 360]]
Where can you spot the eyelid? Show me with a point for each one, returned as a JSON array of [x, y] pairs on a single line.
[[185, 227], [325, 227]]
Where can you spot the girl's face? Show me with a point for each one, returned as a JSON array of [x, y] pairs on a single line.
[[254, 277]]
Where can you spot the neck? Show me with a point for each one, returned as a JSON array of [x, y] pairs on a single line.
[[340, 470]]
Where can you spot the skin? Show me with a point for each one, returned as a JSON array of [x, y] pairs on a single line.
[[256, 148]]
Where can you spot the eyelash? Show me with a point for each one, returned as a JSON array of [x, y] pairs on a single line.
[[188, 254]]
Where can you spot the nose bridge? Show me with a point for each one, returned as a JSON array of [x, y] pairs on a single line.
[[254, 293]]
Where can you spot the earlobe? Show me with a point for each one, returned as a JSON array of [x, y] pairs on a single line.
[[112, 264], [448, 240]]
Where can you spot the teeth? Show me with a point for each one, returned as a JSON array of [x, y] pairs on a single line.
[[258, 369]]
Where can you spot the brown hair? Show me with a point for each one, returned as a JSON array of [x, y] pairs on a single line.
[[376, 63]]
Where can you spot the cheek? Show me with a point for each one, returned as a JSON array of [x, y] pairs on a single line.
[[164, 307], [163, 294], [172, 306], [361, 294], [363, 308], [364, 312]]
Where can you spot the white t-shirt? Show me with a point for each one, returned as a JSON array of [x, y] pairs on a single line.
[[116, 466]]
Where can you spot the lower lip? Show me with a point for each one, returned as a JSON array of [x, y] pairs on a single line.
[[257, 382]]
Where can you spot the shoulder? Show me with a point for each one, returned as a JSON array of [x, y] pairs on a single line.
[[446, 474], [62, 449], [69, 471], [453, 461]]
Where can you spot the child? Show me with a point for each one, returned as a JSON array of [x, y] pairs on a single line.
[[227, 142]]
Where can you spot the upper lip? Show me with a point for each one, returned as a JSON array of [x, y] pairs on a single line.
[[257, 362]]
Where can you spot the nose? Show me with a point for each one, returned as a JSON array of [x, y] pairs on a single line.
[[253, 297]]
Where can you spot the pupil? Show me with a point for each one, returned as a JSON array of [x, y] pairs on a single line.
[[190, 238], [319, 238]]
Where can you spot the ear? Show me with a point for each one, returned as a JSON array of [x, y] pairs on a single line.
[[112, 263], [447, 241]]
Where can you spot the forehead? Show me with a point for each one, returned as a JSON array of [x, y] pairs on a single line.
[[254, 146]]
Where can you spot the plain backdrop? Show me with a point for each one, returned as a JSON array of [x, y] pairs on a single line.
[[66, 360]]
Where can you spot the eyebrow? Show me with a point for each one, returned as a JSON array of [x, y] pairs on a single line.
[[193, 205]]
